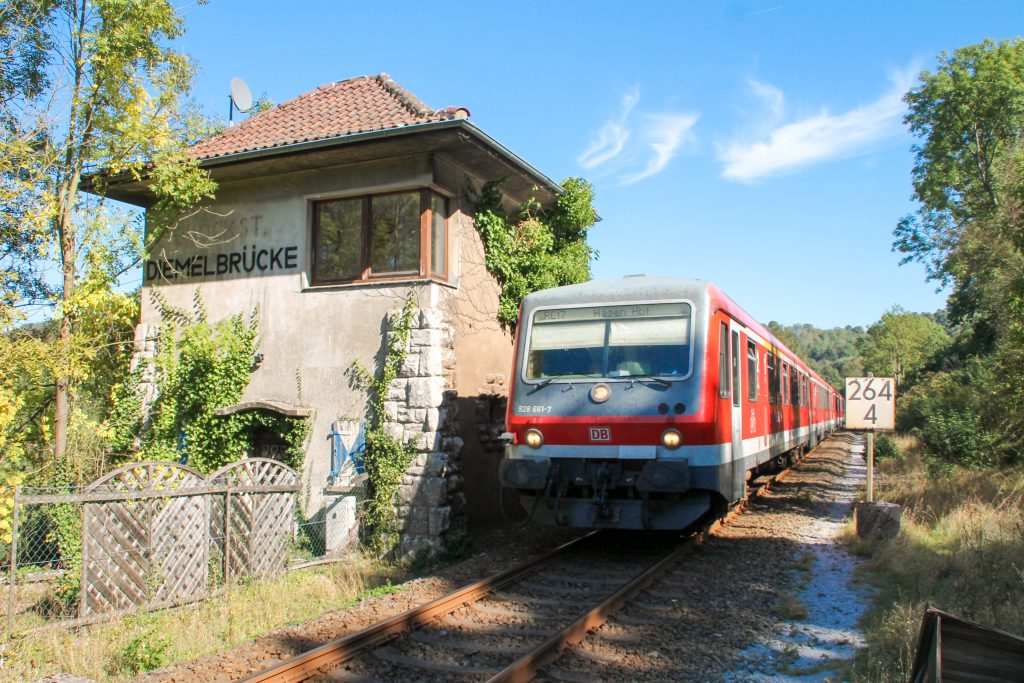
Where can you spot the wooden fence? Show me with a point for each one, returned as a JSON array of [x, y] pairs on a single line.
[[157, 533]]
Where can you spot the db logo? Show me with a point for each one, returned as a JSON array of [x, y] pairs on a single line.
[[600, 434]]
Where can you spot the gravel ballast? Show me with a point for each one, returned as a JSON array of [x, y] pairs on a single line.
[[766, 599]]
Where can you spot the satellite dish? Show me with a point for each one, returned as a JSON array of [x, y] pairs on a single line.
[[241, 96]]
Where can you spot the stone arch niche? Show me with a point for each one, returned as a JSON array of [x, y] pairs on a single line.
[[148, 545], [264, 442]]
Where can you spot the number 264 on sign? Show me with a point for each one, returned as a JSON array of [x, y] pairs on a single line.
[[871, 403]]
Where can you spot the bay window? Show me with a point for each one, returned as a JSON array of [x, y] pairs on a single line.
[[384, 236]]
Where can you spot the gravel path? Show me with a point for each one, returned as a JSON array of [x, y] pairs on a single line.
[[813, 649], [767, 599]]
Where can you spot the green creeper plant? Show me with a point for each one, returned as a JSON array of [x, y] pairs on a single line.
[[535, 248], [66, 533], [386, 457], [200, 366]]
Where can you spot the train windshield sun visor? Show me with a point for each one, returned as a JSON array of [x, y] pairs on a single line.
[[634, 341]]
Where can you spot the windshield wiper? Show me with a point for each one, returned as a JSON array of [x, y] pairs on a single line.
[[662, 382], [543, 383]]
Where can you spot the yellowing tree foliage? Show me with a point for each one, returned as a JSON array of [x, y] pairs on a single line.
[[87, 86]]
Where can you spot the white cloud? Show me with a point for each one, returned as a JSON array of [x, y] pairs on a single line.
[[612, 137], [772, 96], [660, 137], [665, 134], [815, 138]]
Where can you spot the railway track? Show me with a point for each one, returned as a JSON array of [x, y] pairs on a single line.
[[510, 626]]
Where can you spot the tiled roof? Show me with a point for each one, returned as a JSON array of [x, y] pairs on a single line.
[[358, 105]]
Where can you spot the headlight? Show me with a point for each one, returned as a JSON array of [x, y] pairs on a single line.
[[600, 393], [534, 439], [671, 438]]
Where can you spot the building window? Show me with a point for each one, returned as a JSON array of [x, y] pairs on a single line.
[[394, 235], [438, 236]]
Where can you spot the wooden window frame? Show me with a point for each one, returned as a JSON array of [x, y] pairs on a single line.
[[425, 268], [430, 270]]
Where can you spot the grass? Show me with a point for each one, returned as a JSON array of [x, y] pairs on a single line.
[[117, 650], [960, 548], [789, 607]]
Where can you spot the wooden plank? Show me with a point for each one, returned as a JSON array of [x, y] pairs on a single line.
[[104, 496], [954, 650]]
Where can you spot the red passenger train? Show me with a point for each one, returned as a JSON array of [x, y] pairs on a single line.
[[645, 403]]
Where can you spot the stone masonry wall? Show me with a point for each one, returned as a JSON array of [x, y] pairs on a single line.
[[146, 335], [421, 410], [491, 402]]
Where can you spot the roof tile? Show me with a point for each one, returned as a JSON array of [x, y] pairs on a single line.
[[358, 105]]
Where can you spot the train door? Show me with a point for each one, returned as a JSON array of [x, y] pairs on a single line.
[[739, 474]]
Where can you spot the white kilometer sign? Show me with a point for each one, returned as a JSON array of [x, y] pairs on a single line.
[[870, 403]]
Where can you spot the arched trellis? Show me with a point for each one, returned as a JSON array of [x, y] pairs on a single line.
[[254, 521], [143, 537]]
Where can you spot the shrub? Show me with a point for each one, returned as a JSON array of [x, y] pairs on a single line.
[[886, 447], [959, 437], [959, 549], [144, 650]]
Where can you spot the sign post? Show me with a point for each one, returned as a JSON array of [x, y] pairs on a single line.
[[871, 407]]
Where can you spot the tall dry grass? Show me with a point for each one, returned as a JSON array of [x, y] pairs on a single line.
[[115, 651], [961, 549]]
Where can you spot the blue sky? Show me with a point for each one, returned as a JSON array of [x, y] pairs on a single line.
[[756, 144]]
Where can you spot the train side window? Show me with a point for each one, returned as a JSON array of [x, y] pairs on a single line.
[[723, 361], [751, 370], [773, 378], [785, 383], [736, 368]]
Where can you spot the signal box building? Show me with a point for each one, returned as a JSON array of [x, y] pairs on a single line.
[[331, 210]]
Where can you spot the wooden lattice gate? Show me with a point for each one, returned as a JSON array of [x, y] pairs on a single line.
[[259, 500], [148, 543]]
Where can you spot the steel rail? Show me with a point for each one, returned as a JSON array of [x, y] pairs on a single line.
[[341, 650], [529, 665], [338, 651]]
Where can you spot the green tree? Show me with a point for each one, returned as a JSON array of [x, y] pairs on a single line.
[[89, 84], [969, 231], [536, 248], [832, 353], [968, 115], [901, 344]]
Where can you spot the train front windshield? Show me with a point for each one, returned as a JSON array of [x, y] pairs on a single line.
[[610, 342]]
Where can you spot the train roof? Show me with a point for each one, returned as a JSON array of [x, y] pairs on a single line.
[[629, 288], [645, 287]]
